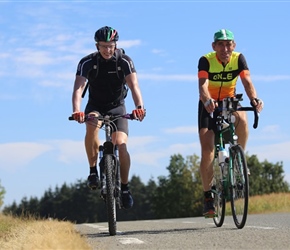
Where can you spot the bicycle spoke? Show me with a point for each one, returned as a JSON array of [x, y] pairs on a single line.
[[239, 187], [219, 199]]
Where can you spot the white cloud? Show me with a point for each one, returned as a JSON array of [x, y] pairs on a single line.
[[4, 55], [274, 152], [271, 129], [30, 57], [17, 155], [129, 43], [269, 133], [271, 78], [70, 151], [141, 141], [157, 77], [182, 130]]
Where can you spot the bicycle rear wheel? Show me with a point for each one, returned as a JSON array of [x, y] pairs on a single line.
[[239, 186], [110, 196], [218, 193]]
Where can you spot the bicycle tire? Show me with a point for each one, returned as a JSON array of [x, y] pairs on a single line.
[[239, 188], [110, 195], [218, 194]]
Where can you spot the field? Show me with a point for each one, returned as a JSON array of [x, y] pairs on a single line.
[[27, 234]]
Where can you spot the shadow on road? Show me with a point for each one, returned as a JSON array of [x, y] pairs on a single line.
[[161, 231]]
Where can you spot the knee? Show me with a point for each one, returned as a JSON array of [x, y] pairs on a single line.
[[241, 119]]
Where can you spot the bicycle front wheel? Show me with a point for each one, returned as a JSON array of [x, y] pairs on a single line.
[[239, 186], [110, 196], [218, 194]]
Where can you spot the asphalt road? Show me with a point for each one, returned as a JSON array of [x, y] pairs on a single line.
[[267, 231]]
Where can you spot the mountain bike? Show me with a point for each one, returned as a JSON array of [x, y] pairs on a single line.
[[230, 182], [109, 165]]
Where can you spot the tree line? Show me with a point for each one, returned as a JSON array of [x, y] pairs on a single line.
[[179, 194]]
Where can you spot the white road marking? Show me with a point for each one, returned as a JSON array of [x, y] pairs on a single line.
[[93, 226], [126, 241], [101, 228], [257, 227], [266, 228], [189, 222]]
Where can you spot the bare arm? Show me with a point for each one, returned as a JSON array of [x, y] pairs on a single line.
[[251, 92], [203, 89], [132, 82], [79, 85], [249, 87], [205, 96]]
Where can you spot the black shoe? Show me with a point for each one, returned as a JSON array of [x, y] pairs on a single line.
[[208, 209], [93, 181], [127, 199]]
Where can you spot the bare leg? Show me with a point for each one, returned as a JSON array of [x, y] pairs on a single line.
[[120, 139], [242, 129], [92, 143], [207, 156]]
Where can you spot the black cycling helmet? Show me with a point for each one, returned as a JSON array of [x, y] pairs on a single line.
[[106, 34]]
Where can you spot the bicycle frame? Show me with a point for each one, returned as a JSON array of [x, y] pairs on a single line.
[[109, 167], [109, 148], [110, 171], [226, 168], [221, 133], [231, 180]]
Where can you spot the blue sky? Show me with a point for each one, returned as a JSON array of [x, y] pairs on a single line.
[[41, 43]]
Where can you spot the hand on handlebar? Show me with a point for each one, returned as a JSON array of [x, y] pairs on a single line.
[[79, 117], [210, 105], [258, 104], [139, 113]]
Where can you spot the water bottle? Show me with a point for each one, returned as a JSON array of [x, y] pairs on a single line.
[[222, 155], [223, 160]]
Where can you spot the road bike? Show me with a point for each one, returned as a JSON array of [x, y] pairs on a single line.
[[230, 182], [109, 166]]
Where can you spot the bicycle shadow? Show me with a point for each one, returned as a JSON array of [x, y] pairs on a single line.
[[157, 231]]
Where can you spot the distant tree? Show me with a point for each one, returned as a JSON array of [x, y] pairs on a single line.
[[266, 177], [142, 194], [178, 195], [46, 204], [2, 193]]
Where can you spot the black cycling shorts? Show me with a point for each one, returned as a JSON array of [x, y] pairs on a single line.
[[121, 124], [204, 119]]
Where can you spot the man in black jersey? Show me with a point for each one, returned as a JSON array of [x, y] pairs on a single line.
[[106, 96]]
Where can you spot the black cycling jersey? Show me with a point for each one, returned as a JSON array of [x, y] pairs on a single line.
[[107, 87]]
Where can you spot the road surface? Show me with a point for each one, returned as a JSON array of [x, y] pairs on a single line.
[[267, 231]]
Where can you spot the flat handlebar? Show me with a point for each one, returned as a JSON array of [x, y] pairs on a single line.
[[100, 117]]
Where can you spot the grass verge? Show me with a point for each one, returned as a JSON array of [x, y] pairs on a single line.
[[27, 234], [267, 203]]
